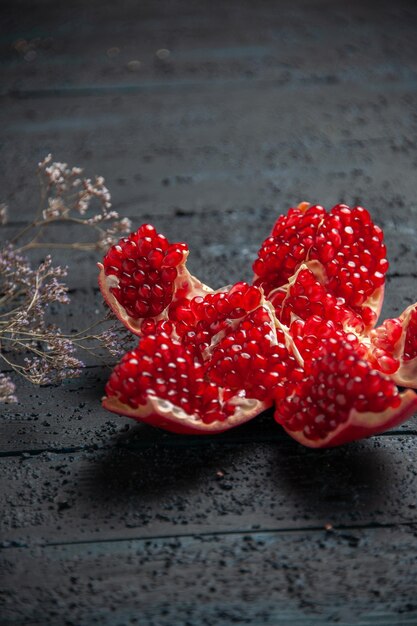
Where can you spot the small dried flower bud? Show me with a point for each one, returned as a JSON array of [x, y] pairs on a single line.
[[7, 390]]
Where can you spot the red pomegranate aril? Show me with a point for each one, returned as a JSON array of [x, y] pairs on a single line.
[[129, 266], [130, 293], [147, 230], [185, 314], [155, 257], [157, 291], [223, 306], [173, 256], [141, 308], [145, 291], [210, 313], [160, 241], [251, 299]]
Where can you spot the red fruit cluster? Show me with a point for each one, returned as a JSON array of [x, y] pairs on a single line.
[[145, 266], [336, 383], [345, 241], [254, 357], [163, 368], [301, 337]]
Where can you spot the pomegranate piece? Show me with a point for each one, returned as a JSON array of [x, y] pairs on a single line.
[[393, 348], [189, 374], [257, 357], [163, 383], [342, 398], [305, 296], [312, 313], [205, 319], [143, 274], [344, 240]]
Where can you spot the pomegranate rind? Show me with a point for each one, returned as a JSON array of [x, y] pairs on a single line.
[[185, 283], [361, 425], [163, 414]]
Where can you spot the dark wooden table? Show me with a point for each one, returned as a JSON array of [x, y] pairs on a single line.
[[257, 106]]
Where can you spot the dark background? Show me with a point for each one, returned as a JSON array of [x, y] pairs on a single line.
[[255, 107]]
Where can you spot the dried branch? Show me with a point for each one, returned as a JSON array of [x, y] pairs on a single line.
[[30, 345]]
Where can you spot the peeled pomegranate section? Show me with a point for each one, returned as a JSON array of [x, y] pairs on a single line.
[[216, 362], [257, 356], [342, 398], [344, 240], [393, 347], [163, 383], [143, 274]]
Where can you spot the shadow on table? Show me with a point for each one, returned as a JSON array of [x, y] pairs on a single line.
[[265, 472], [360, 479]]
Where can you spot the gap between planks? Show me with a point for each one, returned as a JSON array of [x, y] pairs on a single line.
[[259, 532], [316, 82], [174, 443]]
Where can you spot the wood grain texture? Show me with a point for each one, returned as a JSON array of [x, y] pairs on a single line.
[[223, 246], [256, 107], [271, 578], [144, 484], [225, 149]]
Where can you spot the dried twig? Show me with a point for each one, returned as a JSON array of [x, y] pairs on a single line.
[[30, 345]]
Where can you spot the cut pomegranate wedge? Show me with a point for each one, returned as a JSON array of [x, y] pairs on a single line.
[[259, 357], [345, 241], [305, 296], [341, 398], [393, 348], [190, 374], [162, 383], [143, 274]]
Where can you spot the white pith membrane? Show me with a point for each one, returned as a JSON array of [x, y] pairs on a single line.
[[161, 412], [184, 282], [164, 414]]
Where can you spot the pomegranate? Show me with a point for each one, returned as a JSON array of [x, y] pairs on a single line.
[[312, 314], [143, 274], [206, 380], [342, 398], [344, 394], [211, 360], [348, 246], [163, 383]]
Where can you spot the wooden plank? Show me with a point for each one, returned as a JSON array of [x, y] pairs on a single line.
[[223, 247], [207, 151], [147, 486], [289, 45], [36, 424], [308, 578]]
